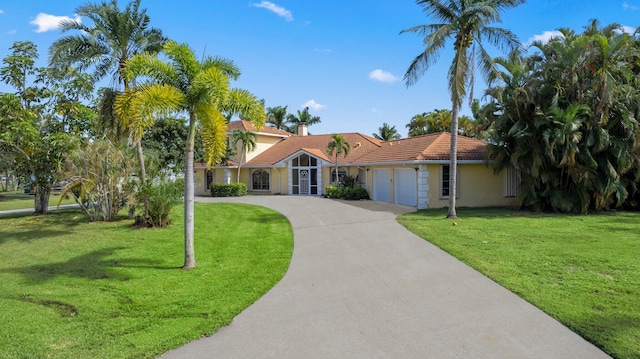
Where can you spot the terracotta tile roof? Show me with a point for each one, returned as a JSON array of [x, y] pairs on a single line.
[[230, 163], [434, 146], [317, 146], [366, 149], [244, 125]]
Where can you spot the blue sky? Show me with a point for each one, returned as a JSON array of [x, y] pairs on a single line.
[[343, 59]]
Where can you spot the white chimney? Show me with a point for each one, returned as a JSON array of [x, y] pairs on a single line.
[[302, 129]]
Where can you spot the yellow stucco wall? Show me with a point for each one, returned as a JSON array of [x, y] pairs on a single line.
[[477, 187], [262, 144]]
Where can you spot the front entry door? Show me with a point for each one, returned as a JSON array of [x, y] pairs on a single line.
[[304, 181]]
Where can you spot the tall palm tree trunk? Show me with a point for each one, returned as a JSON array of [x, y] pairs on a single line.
[[453, 166], [143, 180], [337, 182], [240, 164], [143, 169], [189, 190]]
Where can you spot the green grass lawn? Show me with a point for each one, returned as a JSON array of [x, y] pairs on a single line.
[[72, 289], [21, 201], [582, 270]]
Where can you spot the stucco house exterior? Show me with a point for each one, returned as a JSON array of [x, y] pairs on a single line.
[[412, 171]]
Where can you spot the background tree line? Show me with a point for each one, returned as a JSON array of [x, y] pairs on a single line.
[[110, 149], [566, 117]]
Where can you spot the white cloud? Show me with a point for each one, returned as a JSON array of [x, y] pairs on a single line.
[[382, 76], [278, 10], [321, 50], [545, 36], [11, 32], [313, 105], [46, 22], [627, 6], [628, 29], [1, 11], [374, 110]]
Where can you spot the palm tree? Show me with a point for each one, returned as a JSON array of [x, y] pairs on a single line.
[[115, 37], [202, 90], [303, 117], [418, 125], [338, 145], [277, 117], [247, 144], [468, 23], [387, 133]]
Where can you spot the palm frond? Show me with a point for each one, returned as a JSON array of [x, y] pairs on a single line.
[[247, 105], [214, 133], [228, 67], [211, 86]]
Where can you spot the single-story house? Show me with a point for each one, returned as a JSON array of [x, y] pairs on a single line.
[[412, 171]]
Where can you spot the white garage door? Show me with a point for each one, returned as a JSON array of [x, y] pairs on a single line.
[[405, 187], [381, 184]]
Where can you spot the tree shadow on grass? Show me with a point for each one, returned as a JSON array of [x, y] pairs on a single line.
[[32, 228], [275, 217], [93, 265], [30, 234], [69, 217], [612, 332]]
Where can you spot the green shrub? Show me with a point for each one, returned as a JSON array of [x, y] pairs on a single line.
[[334, 192], [349, 181], [228, 189], [351, 193], [162, 197], [355, 193]]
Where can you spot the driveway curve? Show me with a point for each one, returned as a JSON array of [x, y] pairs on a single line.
[[361, 286]]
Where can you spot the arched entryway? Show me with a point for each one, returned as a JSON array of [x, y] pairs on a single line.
[[304, 172]]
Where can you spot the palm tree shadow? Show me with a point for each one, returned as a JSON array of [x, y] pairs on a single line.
[[31, 234], [93, 265]]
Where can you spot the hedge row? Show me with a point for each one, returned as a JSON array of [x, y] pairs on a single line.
[[228, 189], [341, 192]]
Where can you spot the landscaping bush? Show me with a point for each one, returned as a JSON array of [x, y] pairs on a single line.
[[228, 189], [355, 193], [348, 181], [347, 192], [162, 197]]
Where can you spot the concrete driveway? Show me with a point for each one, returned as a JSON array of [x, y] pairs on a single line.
[[362, 286]]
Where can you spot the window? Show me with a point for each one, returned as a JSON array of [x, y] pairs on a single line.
[[511, 182], [260, 180], [444, 182], [341, 173], [362, 175], [304, 175], [208, 179]]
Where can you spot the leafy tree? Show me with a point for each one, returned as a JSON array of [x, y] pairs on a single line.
[[167, 138], [338, 145], [199, 88], [115, 36], [468, 23], [566, 119], [40, 123], [100, 178], [387, 133], [247, 144], [277, 117], [302, 117], [439, 121]]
